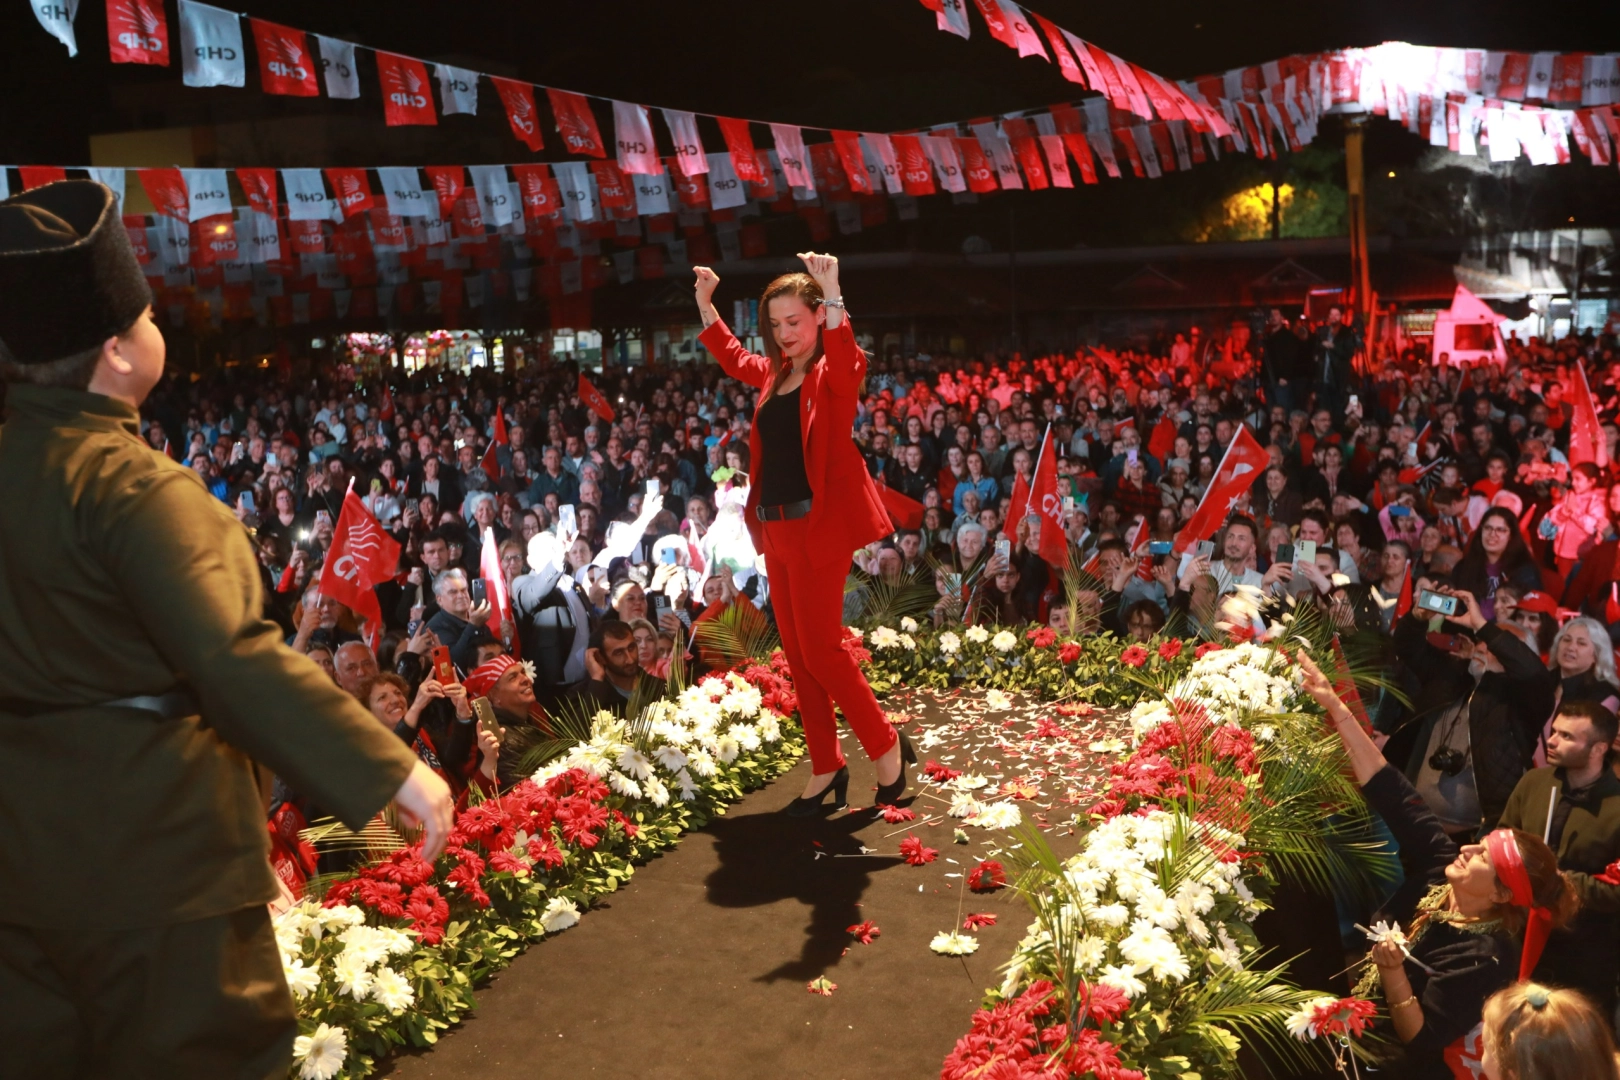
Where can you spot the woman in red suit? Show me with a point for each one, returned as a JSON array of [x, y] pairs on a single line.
[[811, 504]]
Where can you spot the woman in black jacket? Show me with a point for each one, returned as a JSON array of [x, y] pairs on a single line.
[[1460, 917], [1496, 555]]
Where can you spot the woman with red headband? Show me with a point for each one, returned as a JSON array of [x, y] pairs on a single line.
[[1464, 924], [811, 505]]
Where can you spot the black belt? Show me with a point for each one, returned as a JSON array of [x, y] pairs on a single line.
[[174, 705], [785, 512]]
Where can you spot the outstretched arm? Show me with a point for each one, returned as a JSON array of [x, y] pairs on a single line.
[[738, 362], [846, 363]]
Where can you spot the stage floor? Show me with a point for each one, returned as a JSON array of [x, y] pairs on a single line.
[[698, 968]]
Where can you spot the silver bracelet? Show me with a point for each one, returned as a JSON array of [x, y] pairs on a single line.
[[838, 303]]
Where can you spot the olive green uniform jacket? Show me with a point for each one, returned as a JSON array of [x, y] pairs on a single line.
[[120, 576]]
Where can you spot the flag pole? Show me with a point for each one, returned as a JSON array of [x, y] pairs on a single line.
[[1224, 455]]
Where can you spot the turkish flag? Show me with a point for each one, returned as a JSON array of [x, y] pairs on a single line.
[[906, 512], [1017, 509], [1586, 440], [167, 190], [593, 399], [362, 557], [285, 66], [489, 568], [259, 185], [741, 144], [407, 98], [137, 32], [352, 190], [576, 122], [1045, 504], [518, 97], [491, 463], [1243, 461]]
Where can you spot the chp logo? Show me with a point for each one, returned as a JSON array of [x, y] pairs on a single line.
[[364, 544], [350, 192], [138, 26], [286, 59], [404, 87], [520, 110]]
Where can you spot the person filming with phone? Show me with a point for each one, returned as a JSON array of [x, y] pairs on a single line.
[[461, 624]]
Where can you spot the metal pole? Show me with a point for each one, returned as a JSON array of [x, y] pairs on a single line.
[[1012, 265], [1356, 187]]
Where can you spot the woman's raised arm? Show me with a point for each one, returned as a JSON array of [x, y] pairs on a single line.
[[736, 361]]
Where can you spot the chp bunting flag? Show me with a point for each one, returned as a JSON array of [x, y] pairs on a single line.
[[491, 463], [1045, 504], [166, 188], [448, 182], [1586, 439], [1244, 460], [744, 161], [137, 32], [57, 19], [352, 190], [285, 66], [795, 162], [690, 158], [259, 186], [406, 99], [854, 159], [34, 176], [538, 188], [210, 45], [576, 123], [337, 65], [593, 400], [1060, 49], [362, 557], [638, 153], [458, 90], [518, 100]]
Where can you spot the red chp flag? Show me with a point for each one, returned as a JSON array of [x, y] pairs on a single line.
[[518, 98], [489, 568], [448, 183], [1045, 504], [407, 98], [593, 399], [1586, 441], [492, 461], [166, 188], [1244, 460], [362, 557], [1017, 509], [577, 123], [353, 190], [285, 66], [137, 33]]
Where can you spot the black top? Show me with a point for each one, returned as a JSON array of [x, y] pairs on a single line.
[[782, 477]]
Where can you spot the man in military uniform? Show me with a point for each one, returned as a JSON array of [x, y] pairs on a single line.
[[140, 685]]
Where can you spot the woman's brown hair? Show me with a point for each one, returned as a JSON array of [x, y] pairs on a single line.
[[1538, 1033], [1549, 886], [803, 287]]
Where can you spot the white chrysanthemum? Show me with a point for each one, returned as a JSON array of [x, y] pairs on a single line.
[[1227, 951], [1194, 898], [365, 944], [560, 914], [1147, 715], [634, 763], [969, 782], [977, 634], [353, 975], [392, 990], [1112, 914], [1090, 953], [963, 805], [947, 943], [745, 735], [301, 980], [1299, 1024], [949, 643], [1160, 910], [689, 788], [320, 1055], [908, 643], [1004, 641], [770, 727], [908, 624], [655, 791], [1149, 949], [996, 701], [726, 749], [336, 918], [623, 785], [670, 758], [1122, 978], [884, 637], [1000, 815], [550, 771], [744, 700], [701, 763]]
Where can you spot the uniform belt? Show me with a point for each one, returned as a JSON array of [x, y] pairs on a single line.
[[170, 706], [785, 512]]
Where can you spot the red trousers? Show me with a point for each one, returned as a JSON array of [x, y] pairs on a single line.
[[809, 605]]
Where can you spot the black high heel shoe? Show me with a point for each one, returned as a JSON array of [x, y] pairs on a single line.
[[889, 794], [807, 807]]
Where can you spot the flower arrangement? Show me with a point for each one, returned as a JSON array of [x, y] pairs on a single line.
[[389, 956]]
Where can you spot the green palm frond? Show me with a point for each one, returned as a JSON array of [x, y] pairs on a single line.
[[570, 723], [885, 602], [739, 633]]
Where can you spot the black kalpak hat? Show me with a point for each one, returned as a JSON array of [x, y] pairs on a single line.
[[69, 279]]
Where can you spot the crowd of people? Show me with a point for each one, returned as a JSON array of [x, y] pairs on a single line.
[[1429, 512]]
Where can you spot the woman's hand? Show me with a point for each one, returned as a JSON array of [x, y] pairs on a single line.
[[707, 282], [824, 269], [457, 693], [1316, 684]]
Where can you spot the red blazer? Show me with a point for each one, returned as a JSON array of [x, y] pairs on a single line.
[[848, 512]]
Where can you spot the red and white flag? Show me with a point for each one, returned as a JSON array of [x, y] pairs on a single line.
[[407, 98], [448, 183], [137, 32], [489, 568], [576, 123], [1060, 49], [744, 161], [795, 162], [285, 65], [1244, 460], [166, 188], [538, 188], [518, 100], [259, 186], [853, 157], [1045, 504], [362, 557], [638, 152], [1586, 439], [1017, 509], [352, 190], [593, 400], [689, 156]]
